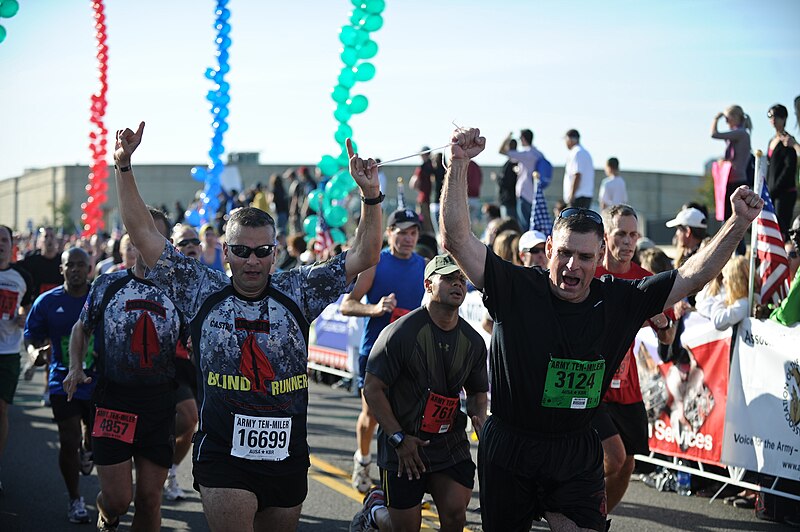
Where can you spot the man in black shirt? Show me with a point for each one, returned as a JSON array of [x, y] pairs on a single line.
[[559, 336], [415, 372]]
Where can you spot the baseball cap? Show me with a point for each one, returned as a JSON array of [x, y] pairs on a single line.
[[645, 243], [690, 217], [531, 239], [441, 264], [403, 219]]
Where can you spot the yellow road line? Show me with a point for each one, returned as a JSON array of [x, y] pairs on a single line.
[[339, 481]]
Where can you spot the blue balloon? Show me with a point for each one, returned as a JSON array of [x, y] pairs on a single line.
[[211, 73], [224, 86], [192, 217], [198, 173]]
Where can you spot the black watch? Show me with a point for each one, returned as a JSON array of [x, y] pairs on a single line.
[[396, 439], [373, 201]]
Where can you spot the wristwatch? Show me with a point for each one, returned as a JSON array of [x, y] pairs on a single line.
[[373, 201], [396, 439]]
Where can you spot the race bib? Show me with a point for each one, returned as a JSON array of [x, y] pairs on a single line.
[[115, 425], [261, 438], [573, 383], [440, 411]]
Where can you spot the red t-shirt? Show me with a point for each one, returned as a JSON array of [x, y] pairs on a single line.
[[624, 387]]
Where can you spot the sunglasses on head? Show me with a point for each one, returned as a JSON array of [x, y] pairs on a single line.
[[240, 250], [534, 251], [188, 241], [569, 212]]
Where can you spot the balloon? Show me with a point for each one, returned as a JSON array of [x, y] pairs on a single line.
[[361, 37], [345, 130], [368, 50], [328, 165], [192, 217], [315, 198], [358, 104], [335, 190], [9, 8], [357, 16], [199, 173], [373, 23], [310, 225], [375, 6], [340, 94], [339, 138], [342, 113], [365, 72], [343, 159], [347, 36], [347, 78], [349, 56], [2, 34], [335, 216], [338, 236]]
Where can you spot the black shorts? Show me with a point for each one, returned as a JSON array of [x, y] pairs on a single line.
[[527, 474], [286, 491], [9, 376], [186, 377], [63, 409], [154, 438], [402, 494], [629, 421]]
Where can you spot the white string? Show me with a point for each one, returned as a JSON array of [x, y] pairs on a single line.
[[383, 163]]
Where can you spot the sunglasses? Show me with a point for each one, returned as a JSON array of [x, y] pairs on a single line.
[[188, 241], [569, 212], [792, 254], [240, 250], [534, 251]]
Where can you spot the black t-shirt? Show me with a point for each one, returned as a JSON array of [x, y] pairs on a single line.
[[414, 356], [45, 273], [506, 185], [438, 183], [531, 326]]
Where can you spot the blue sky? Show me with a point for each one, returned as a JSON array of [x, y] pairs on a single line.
[[641, 80]]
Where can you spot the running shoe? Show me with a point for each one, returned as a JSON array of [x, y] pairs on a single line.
[[362, 521], [172, 490], [77, 511], [87, 461], [360, 479], [102, 526]]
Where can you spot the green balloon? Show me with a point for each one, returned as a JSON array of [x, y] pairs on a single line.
[[338, 236], [374, 7], [335, 193], [347, 78], [339, 138], [2, 34], [358, 104], [361, 38], [368, 50], [310, 225], [344, 159], [9, 8], [342, 113], [365, 72], [373, 23], [315, 198], [348, 35], [340, 94], [357, 3], [357, 16], [328, 165], [345, 130], [336, 216], [349, 56]]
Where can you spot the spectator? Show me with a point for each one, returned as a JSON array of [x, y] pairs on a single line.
[[531, 249], [781, 169], [505, 246], [737, 148], [421, 182], [295, 247], [526, 159], [279, 200], [732, 307], [211, 255], [578, 173], [506, 184], [474, 180], [612, 187], [436, 192], [690, 230]]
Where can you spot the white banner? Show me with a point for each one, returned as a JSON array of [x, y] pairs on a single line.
[[762, 421]]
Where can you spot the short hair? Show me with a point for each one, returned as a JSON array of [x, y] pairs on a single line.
[[66, 253], [617, 210], [249, 217], [10, 232], [181, 228], [158, 214], [613, 163], [526, 134], [579, 223], [573, 134], [297, 241], [779, 111]]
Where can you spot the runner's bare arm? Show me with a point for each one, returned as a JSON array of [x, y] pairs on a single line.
[[366, 248], [135, 215], [457, 236], [706, 264], [78, 341], [351, 303]]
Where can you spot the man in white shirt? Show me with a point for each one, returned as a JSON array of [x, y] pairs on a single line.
[[526, 158], [578, 173], [612, 187]]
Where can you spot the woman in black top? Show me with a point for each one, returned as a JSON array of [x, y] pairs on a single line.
[[782, 168], [280, 200]]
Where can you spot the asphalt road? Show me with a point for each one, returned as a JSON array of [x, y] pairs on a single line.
[[35, 497]]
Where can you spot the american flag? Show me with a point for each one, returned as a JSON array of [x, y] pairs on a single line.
[[774, 267], [540, 215], [323, 241]]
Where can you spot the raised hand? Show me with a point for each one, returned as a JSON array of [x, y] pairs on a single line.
[[126, 143], [466, 144], [746, 203], [364, 172]]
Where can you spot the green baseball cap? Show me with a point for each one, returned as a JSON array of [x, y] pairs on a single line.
[[441, 264]]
